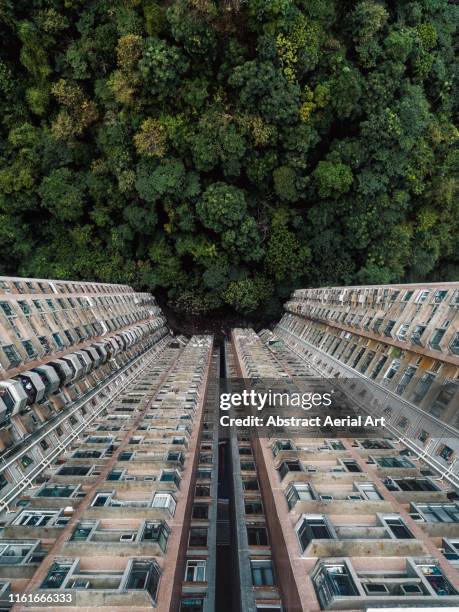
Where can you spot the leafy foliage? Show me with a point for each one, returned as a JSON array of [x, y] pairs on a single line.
[[226, 152]]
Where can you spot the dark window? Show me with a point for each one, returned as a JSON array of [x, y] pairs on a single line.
[[399, 529], [144, 575], [253, 507], [192, 605], [351, 465], [200, 511], [250, 485], [313, 529], [257, 536], [198, 537], [74, 470], [289, 466], [202, 491]]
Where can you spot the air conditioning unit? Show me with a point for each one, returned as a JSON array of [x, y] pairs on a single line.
[[374, 588], [127, 537]]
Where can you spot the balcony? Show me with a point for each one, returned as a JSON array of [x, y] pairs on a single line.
[[377, 535], [133, 584], [103, 538], [340, 584]]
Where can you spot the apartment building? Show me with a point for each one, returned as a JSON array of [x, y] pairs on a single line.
[[340, 523], [108, 454], [401, 342], [120, 489]]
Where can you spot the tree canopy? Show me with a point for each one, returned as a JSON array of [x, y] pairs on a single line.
[[226, 152]]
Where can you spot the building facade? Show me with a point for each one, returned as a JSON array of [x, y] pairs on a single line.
[[120, 489]]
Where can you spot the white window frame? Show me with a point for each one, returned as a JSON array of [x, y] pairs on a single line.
[[199, 564]]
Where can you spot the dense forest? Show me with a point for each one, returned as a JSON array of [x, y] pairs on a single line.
[[224, 152]]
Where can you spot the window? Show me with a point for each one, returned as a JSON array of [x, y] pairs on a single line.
[[446, 452], [86, 454], [369, 490], [423, 436], [262, 572], [58, 340], [198, 537], [366, 362], [29, 348], [405, 380], [289, 466], [156, 532], [26, 461], [351, 465], [170, 476], [36, 518], [411, 484], [393, 462], [333, 579], [253, 507], [403, 331], [192, 605], [250, 485], [7, 309], [74, 470], [101, 499], [125, 456], [82, 531], [200, 511], [115, 475], [388, 329], [438, 513], [454, 344], [392, 370], [417, 334], [379, 366], [56, 491], [439, 296], [398, 528], [257, 536], [195, 571], [57, 574], [202, 491], [313, 527], [298, 492], [165, 501], [176, 457], [422, 296], [144, 575], [372, 443], [423, 386], [436, 339], [12, 355], [282, 445]]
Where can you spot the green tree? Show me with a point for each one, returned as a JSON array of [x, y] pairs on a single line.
[[221, 206]]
